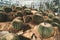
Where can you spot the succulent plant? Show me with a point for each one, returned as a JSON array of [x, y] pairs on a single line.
[[17, 23], [45, 32], [55, 24], [37, 19], [28, 12], [49, 21], [3, 17], [28, 19], [18, 8], [38, 13], [56, 19], [19, 14], [50, 15], [7, 9]]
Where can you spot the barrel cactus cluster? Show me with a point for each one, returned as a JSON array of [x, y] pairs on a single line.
[[22, 19], [19, 24]]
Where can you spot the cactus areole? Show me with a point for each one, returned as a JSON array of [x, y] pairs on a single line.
[[45, 31]]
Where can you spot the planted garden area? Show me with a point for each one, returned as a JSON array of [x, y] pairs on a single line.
[[22, 23]]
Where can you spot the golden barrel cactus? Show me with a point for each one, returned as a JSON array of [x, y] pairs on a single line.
[[45, 30]]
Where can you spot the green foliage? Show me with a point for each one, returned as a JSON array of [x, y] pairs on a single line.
[[45, 32]]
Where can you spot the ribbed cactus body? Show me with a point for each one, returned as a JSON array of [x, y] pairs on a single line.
[[37, 19], [56, 19], [45, 32], [50, 15], [17, 23]]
